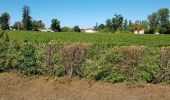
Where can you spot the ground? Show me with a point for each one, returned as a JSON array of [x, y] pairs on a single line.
[[13, 86]]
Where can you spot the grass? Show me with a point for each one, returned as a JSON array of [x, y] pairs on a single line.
[[105, 39]]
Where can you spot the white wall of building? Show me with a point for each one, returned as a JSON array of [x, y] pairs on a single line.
[[90, 31], [140, 32]]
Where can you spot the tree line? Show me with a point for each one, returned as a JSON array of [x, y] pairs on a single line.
[[28, 23], [156, 22]]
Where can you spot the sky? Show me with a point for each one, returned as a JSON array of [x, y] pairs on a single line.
[[84, 13]]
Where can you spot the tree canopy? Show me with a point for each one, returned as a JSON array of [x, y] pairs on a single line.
[[27, 19], [77, 29], [4, 21], [55, 25]]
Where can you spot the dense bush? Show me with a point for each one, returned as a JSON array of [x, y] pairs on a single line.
[[131, 58], [28, 60], [148, 68], [49, 58]]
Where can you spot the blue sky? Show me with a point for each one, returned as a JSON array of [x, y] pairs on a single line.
[[84, 13]]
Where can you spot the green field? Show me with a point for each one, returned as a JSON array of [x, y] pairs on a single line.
[[104, 39]]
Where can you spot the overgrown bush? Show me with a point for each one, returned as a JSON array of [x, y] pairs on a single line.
[[49, 57], [45, 56], [95, 69], [73, 57], [131, 58], [103, 68], [164, 63]]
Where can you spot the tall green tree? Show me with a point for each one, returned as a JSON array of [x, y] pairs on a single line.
[[117, 22], [125, 25], [77, 29], [27, 19], [109, 24], [153, 22], [101, 26], [55, 25], [4, 21], [163, 16]]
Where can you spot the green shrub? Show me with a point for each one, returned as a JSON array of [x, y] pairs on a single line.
[[28, 60], [95, 68], [59, 71], [115, 77], [114, 58], [100, 73], [145, 76], [131, 58], [3, 49], [148, 68], [103, 68]]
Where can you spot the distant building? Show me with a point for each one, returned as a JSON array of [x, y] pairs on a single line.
[[90, 30], [46, 30], [157, 33], [139, 32]]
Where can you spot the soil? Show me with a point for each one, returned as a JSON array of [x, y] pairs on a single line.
[[13, 86]]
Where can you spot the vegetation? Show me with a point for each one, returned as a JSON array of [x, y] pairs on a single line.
[[18, 26], [37, 25], [77, 29], [55, 25], [67, 29], [88, 59], [104, 40], [27, 19], [104, 56], [4, 21], [72, 56], [157, 22]]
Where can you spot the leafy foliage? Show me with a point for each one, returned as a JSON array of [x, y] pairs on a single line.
[[28, 60], [27, 19], [4, 21], [55, 25], [77, 29]]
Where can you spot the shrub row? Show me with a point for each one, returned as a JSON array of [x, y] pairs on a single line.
[[89, 61]]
